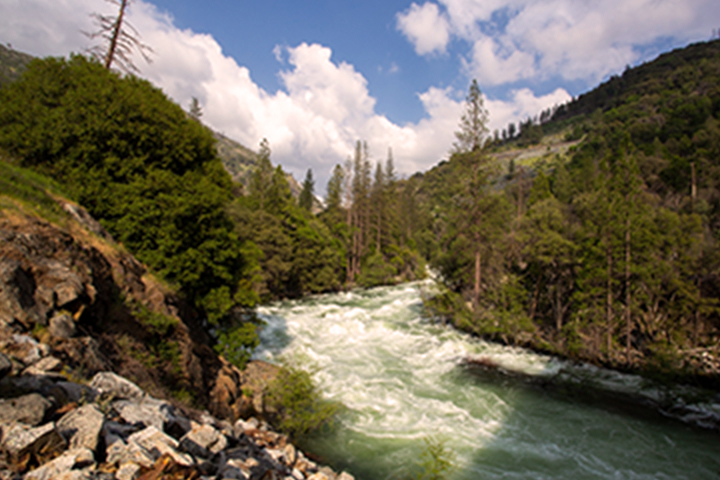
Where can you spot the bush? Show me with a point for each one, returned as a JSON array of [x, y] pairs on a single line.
[[297, 405], [436, 460]]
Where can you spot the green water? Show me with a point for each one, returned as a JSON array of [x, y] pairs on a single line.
[[401, 378]]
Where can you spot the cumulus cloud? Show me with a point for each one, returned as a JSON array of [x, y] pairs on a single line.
[[313, 122], [425, 27], [510, 40]]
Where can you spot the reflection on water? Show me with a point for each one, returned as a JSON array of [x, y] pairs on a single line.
[[402, 379]]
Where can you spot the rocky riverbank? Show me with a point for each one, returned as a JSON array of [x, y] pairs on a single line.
[[107, 374], [56, 429]]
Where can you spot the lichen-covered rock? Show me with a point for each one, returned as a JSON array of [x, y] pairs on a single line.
[[82, 426], [156, 443], [28, 409], [146, 413], [45, 366], [61, 467], [62, 325], [117, 386], [19, 439], [203, 441]]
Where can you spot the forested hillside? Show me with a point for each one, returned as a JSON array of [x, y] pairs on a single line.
[[607, 253], [152, 176]]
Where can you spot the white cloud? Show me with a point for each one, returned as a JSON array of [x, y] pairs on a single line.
[[522, 104], [425, 27], [312, 123], [510, 40]]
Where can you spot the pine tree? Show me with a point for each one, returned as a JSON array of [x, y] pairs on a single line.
[[305, 200], [261, 178], [195, 111], [473, 123]]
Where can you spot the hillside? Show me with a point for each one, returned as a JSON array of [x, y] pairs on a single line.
[[688, 71], [593, 235], [240, 162], [12, 64]]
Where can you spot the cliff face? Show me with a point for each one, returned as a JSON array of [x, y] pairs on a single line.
[[97, 309]]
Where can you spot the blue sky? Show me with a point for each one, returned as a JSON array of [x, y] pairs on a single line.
[[314, 76]]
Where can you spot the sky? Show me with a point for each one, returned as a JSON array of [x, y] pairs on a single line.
[[315, 76]]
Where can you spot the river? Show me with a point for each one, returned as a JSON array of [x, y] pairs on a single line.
[[402, 379]]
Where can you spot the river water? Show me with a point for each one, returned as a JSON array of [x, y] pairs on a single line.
[[403, 380]]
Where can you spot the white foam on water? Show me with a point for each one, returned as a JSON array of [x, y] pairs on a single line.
[[398, 375]]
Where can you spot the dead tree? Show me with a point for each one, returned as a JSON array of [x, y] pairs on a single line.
[[120, 39]]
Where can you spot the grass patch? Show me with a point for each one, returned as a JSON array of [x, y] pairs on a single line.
[[31, 189]]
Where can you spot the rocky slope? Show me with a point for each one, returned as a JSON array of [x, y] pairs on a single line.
[[74, 306]]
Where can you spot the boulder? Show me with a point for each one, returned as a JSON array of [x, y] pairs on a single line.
[[62, 325], [114, 384], [17, 294], [28, 409], [62, 466], [119, 453], [67, 286], [157, 443], [43, 441], [81, 427], [75, 392], [148, 412], [44, 366], [204, 441], [26, 349]]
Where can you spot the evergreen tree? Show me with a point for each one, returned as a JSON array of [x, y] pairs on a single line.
[[305, 200], [261, 178], [473, 124]]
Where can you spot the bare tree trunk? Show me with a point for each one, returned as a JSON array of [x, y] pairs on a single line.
[[628, 313], [693, 188], [478, 276], [608, 304], [117, 28]]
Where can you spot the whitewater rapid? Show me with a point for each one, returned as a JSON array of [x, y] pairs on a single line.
[[402, 378]]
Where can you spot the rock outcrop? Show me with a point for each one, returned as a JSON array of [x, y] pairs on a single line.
[[72, 292], [95, 358]]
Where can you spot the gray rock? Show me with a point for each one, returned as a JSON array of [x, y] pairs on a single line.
[[235, 470], [61, 467], [112, 383], [62, 325], [45, 366], [75, 392], [5, 366], [157, 443], [128, 471], [19, 439], [67, 285], [29, 409], [119, 453], [146, 413], [26, 349], [82, 426], [204, 441], [17, 294]]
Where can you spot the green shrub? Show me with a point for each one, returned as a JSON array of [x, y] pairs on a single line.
[[297, 404], [436, 460]]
